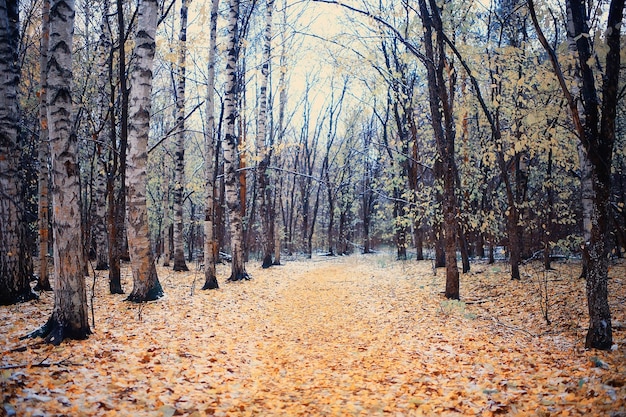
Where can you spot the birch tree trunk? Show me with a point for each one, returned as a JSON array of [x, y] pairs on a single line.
[[165, 232], [103, 135], [43, 281], [210, 145], [263, 154], [69, 317], [179, 153], [146, 284], [14, 271], [279, 231], [231, 159]]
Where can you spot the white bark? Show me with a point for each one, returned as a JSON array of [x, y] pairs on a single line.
[[231, 157], [179, 155], [146, 284], [99, 205], [69, 317], [263, 154], [210, 144]]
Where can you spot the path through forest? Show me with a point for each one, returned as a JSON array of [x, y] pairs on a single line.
[[359, 335]]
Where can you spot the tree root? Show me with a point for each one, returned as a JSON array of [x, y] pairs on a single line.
[[54, 332], [239, 277], [211, 284]]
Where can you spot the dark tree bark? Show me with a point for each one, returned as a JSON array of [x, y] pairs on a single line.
[[43, 280], [103, 134], [595, 126], [15, 273], [443, 128], [116, 175]]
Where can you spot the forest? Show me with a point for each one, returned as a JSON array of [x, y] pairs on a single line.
[[455, 146]]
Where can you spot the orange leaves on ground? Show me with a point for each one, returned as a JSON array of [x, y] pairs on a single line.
[[362, 335]]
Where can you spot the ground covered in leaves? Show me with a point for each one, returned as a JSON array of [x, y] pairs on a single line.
[[359, 335]]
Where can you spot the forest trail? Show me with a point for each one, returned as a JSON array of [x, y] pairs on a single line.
[[332, 336], [317, 338]]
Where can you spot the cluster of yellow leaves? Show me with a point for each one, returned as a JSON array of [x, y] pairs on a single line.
[[360, 335]]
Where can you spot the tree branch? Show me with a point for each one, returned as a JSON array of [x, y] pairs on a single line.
[[557, 70], [412, 48]]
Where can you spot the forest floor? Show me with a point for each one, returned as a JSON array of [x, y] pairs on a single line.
[[358, 335]]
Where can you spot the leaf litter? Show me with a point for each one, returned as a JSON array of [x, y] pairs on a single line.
[[358, 335]]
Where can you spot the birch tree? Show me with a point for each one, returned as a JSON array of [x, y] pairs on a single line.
[[69, 317], [43, 280], [231, 158], [146, 285], [14, 272], [263, 153], [179, 153], [103, 134], [210, 146]]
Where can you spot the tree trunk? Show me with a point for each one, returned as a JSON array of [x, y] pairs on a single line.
[[210, 145], [280, 232], [14, 271], [463, 246], [116, 180], [419, 243], [179, 153], [263, 154], [547, 232], [103, 134], [43, 280], [587, 196], [444, 135], [596, 131], [146, 284], [69, 317], [598, 138], [440, 253], [231, 159], [399, 226], [166, 238]]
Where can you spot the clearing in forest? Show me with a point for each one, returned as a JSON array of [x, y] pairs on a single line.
[[359, 335]]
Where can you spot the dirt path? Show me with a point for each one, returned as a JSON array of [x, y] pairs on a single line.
[[320, 344], [348, 336]]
